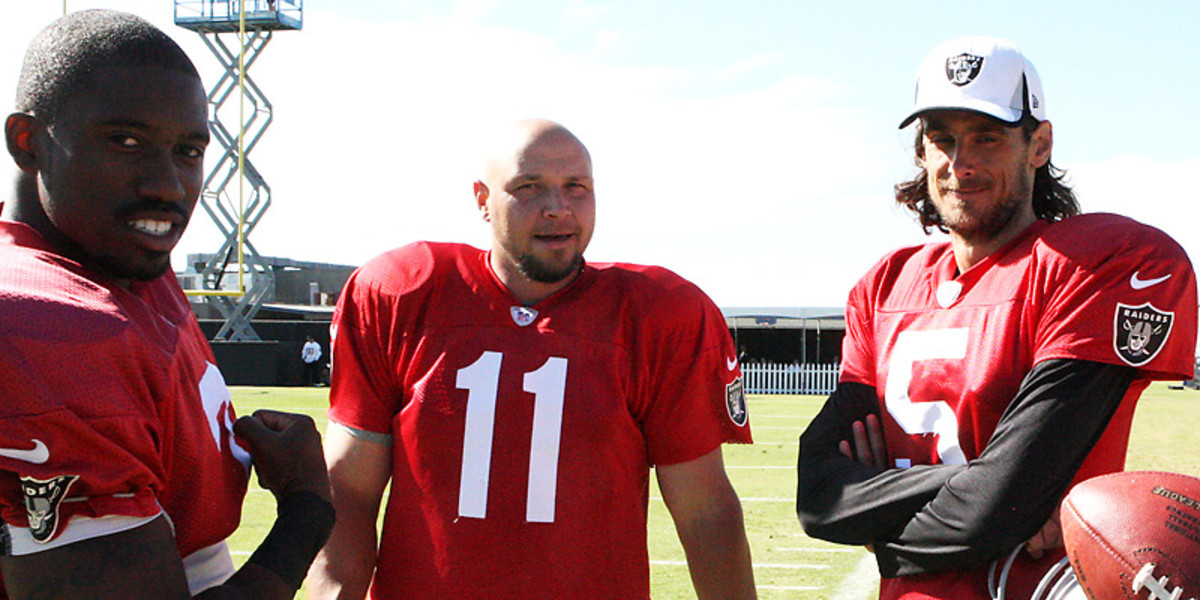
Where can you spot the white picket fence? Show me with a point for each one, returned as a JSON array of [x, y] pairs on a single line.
[[771, 378]]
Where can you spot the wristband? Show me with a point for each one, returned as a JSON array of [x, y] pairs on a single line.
[[301, 528]]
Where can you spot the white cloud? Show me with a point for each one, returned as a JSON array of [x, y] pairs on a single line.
[[585, 12], [763, 188], [374, 146]]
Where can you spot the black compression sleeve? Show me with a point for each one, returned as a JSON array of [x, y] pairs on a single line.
[[301, 528], [840, 500], [1005, 496]]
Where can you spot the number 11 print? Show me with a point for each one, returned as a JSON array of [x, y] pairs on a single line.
[[548, 384]]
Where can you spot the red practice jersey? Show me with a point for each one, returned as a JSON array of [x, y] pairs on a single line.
[[523, 436], [113, 411], [946, 353]]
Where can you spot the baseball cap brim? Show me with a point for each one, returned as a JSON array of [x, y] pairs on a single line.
[[989, 76]]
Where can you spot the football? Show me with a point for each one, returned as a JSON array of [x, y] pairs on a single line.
[[1135, 535]]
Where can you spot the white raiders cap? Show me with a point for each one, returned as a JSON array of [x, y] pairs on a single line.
[[982, 74]]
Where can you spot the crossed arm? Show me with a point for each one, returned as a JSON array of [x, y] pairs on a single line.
[[933, 518]]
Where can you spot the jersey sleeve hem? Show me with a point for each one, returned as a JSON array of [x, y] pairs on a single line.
[[208, 567], [1103, 358], [80, 528], [374, 437]]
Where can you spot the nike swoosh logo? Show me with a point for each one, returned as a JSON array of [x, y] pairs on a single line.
[[36, 455], [1141, 284], [731, 363]]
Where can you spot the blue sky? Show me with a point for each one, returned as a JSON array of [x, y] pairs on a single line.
[[749, 146]]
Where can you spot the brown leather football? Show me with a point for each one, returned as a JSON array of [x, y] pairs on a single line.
[[1135, 535]]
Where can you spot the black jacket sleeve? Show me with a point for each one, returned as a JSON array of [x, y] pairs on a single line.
[[977, 512], [841, 500]]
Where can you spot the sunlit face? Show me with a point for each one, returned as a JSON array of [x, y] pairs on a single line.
[[542, 208], [120, 171], [981, 172]]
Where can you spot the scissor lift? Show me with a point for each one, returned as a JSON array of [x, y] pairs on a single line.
[[237, 204]]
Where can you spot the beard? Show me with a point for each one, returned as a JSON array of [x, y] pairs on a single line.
[[543, 272], [976, 226]]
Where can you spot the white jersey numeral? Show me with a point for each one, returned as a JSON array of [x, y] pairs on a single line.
[[548, 385], [917, 418], [480, 380], [218, 406]]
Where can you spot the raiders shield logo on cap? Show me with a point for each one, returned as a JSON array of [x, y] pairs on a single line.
[[42, 498], [963, 69], [735, 401], [1139, 332], [522, 315]]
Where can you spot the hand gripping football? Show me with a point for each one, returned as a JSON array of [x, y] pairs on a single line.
[[1135, 535]]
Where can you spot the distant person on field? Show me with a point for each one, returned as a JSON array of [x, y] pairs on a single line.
[[516, 398], [311, 355], [122, 468], [983, 375]]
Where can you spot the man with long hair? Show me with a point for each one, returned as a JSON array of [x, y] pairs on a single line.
[[984, 375]]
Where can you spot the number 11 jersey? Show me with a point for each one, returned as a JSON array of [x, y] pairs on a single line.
[[523, 436]]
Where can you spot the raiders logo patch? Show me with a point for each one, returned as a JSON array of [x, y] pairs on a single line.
[[1139, 332], [42, 499], [735, 401], [963, 69], [522, 315]]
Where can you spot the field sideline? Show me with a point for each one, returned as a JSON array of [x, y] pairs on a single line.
[[787, 564]]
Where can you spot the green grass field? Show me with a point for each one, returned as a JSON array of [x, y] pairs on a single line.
[[787, 563]]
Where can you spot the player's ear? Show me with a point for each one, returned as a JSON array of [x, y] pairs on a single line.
[[1040, 144], [481, 198], [19, 132]]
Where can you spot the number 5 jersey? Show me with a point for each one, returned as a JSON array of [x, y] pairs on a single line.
[[523, 435], [946, 353]]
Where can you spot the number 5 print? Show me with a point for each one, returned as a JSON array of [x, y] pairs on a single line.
[[917, 418]]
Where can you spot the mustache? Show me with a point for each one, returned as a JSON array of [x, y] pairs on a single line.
[[129, 210], [958, 185]]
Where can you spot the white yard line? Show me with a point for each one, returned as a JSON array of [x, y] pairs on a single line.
[[790, 566], [860, 584], [743, 467]]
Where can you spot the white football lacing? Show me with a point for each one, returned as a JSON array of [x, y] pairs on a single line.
[[1157, 588]]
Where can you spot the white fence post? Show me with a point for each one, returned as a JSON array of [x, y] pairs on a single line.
[[775, 378]]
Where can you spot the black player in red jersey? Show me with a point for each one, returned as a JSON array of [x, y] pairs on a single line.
[[984, 375], [122, 467]]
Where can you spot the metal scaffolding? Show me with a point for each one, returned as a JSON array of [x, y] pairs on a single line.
[[236, 196]]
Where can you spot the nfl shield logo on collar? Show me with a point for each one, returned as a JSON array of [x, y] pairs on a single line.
[[1139, 332], [522, 315], [963, 69]]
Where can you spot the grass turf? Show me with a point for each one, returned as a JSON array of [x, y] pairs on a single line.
[[787, 563]]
